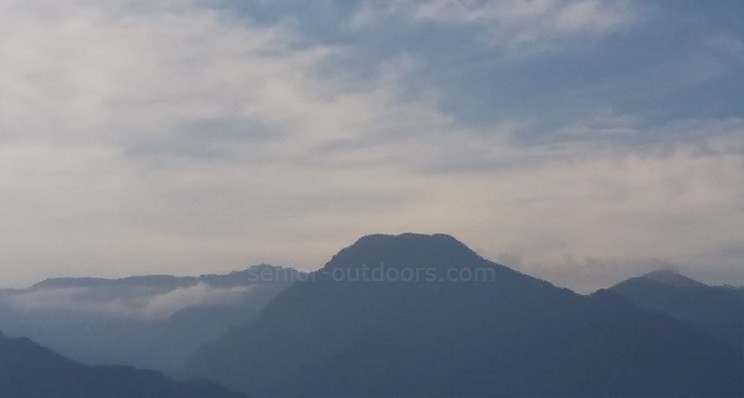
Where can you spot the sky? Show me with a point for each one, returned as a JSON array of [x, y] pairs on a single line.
[[582, 142]]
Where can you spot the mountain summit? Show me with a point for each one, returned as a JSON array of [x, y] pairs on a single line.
[[409, 257], [404, 250], [671, 277], [464, 326], [715, 310]]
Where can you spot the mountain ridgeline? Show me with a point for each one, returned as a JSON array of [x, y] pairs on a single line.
[[715, 310], [423, 315], [28, 370]]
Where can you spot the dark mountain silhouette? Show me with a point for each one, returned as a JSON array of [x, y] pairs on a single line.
[[154, 322], [418, 315], [28, 370], [258, 273], [717, 310]]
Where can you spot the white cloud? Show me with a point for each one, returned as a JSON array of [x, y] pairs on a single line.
[[143, 304], [629, 207], [514, 24], [199, 295]]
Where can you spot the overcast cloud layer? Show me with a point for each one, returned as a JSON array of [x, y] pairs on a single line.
[[583, 142]]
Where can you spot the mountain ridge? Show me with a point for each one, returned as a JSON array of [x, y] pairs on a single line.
[[28, 370], [158, 279], [717, 310]]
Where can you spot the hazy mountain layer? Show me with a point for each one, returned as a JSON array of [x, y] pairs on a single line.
[[146, 321], [28, 370]]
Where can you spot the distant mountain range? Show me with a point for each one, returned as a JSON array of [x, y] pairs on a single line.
[[423, 315], [390, 315], [28, 370], [716, 310], [152, 322]]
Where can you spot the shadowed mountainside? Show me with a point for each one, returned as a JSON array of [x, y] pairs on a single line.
[[28, 370]]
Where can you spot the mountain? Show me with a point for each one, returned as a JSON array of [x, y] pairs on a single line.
[[717, 310], [423, 315], [154, 321], [28, 370]]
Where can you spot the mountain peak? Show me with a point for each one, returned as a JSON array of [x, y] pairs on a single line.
[[670, 276], [408, 238], [406, 249]]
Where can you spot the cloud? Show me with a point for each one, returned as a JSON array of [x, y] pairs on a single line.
[[199, 295], [143, 304], [514, 24], [613, 201], [81, 300], [627, 210], [133, 129]]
